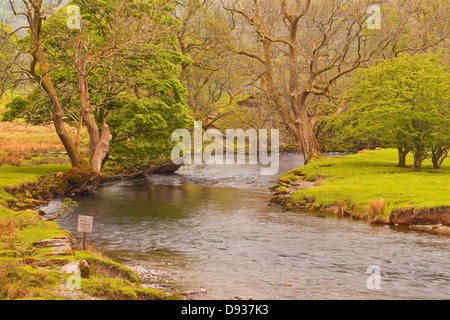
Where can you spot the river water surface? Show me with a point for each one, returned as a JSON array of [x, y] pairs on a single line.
[[213, 224]]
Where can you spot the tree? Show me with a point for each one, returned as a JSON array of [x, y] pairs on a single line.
[[307, 49], [36, 67], [405, 103], [120, 54], [215, 78]]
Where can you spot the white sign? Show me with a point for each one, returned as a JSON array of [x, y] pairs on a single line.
[[85, 223]]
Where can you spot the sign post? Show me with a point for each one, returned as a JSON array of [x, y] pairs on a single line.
[[85, 225]]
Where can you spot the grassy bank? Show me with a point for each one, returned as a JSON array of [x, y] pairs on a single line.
[[366, 186], [28, 271]]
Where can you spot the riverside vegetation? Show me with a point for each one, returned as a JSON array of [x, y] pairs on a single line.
[[369, 186], [31, 272], [115, 107], [31, 159]]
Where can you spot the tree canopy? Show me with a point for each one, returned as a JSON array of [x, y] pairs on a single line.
[[404, 103]]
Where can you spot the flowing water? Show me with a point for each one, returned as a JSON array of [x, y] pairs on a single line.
[[213, 224]]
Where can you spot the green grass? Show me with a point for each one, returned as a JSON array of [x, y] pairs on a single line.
[[17, 280], [17, 175], [361, 178]]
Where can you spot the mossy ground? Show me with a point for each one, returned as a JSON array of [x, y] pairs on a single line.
[[369, 181]]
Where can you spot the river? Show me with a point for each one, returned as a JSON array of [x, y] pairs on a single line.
[[214, 224]]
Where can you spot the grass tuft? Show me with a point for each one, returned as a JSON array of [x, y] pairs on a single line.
[[375, 210]]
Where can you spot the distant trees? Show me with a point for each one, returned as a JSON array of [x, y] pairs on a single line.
[[211, 73], [404, 103], [8, 42], [216, 79], [307, 50]]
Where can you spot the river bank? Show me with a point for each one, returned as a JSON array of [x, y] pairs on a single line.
[[368, 186], [36, 254]]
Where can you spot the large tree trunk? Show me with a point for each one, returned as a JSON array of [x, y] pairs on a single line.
[[305, 134], [306, 138], [438, 154], [418, 158], [98, 142], [293, 112], [402, 153], [311, 148], [300, 127]]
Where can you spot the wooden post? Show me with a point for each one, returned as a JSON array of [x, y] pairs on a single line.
[[84, 240]]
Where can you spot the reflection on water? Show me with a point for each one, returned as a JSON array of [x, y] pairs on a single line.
[[214, 224]]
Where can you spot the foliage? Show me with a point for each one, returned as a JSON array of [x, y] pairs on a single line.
[[401, 103], [8, 45], [132, 75], [66, 208], [31, 108], [215, 73], [150, 124]]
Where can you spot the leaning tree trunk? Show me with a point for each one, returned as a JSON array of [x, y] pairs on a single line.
[[98, 140], [47, 85]]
